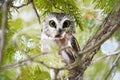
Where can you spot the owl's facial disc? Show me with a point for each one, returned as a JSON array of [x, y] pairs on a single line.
[[63, 29], [59, 33]]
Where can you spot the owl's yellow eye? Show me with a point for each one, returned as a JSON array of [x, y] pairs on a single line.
[[66, 24], [52, 23]]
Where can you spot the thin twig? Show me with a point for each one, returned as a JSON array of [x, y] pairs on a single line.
[[22, 63], [28, 56], [17, 64], [49, 67], [56, 70], [23, 5], [103, 57], [33, 5], [113, 66]]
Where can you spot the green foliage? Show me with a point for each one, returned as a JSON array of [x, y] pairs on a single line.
[[105, 5], [14, 24], [43, 5], [8, 74], [24, 36], [117, 34], [9, 49], [66, 6], [0, 17], [8, 53], [118, 66], [33, 73], [97, 71]]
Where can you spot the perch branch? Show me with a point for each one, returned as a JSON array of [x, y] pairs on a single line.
[[105, 31], [106, 36], [92, 48]]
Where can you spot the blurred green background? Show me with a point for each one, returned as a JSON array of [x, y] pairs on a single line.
[[23, 39]]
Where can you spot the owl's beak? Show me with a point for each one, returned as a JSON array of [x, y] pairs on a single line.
[[59, 31]]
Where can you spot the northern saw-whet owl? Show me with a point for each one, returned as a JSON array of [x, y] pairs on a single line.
[[59, 28]]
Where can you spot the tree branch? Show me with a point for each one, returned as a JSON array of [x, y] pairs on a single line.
[[29, 58], [113, 66], [103, 57], [103, 39], [33, 5], [34, 8], [5, 9], [17, 64], [56, 70], [105, 31], [23, 5]]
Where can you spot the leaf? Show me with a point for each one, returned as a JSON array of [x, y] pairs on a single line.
[[33, 72], [8, 74], [117, 34], [105, 5]]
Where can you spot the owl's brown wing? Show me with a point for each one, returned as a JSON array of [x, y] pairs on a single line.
[[75, 45]]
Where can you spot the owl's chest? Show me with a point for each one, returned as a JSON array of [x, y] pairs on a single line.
[[62, 43]]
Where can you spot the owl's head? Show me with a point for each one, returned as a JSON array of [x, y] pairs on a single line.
[[59, 23]]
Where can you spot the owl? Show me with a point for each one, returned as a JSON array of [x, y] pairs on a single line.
[[59, 28]]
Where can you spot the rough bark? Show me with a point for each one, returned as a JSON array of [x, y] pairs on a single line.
[[105, 31]]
